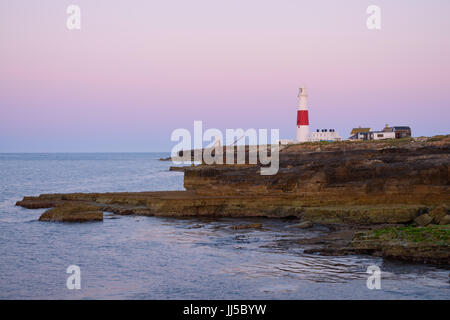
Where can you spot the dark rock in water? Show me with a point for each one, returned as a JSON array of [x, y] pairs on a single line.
[[247, 226], [196, 226], [39, 204], [179, 169], [423, 220], [331, 243], [429, 244], [72, 213], [111, 217], [302, 225]]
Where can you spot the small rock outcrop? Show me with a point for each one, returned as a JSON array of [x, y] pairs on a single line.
[[439, 214], [247, 226], [429, 244], [445, 220], [302, 225], [423, 220], [72, 213]]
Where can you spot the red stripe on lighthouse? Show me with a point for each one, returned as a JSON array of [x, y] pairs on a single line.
[[302, 118]]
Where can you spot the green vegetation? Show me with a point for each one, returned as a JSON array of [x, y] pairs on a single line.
[[432, 233], [319, 143], [390, 142], [394, 142], [438, 138], [386, 142]]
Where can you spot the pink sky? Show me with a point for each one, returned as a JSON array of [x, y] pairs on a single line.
[[137, 70]]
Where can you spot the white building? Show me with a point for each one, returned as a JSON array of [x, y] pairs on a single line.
[[324, 135], [381, 135], [386, 133]]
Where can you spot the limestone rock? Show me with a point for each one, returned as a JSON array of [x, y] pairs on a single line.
[[423, 220], [438, 214], [186, 203], [445, 220], [247, 226], [372, 173], [417, 244], [360, 183], [179, 169], [72, 213]]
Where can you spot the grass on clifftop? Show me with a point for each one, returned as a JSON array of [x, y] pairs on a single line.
[[384, 141], [438, 138], [389, 142], [432, 233]]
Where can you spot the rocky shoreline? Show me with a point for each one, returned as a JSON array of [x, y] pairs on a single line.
[[355, 188]]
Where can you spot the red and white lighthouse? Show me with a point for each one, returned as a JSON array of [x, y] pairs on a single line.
[[302, 117]]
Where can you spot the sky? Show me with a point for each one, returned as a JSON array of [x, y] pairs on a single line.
[[139, 69]]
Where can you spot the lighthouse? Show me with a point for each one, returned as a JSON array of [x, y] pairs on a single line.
[[302, 117]]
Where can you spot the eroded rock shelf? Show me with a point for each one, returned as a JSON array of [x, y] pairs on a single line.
[[346, 183]]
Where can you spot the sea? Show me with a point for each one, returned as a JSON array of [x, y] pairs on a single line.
[[137, 257]]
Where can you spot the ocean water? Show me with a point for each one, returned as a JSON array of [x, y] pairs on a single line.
[[133, 257]]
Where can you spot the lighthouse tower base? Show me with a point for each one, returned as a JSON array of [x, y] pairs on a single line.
[[302, 133]]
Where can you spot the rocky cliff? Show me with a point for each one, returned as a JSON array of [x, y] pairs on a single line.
[[339, 173], [348, 182], [348, 185]]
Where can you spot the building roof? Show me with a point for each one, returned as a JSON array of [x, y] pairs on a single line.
[[357, 130], [401, 128]]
